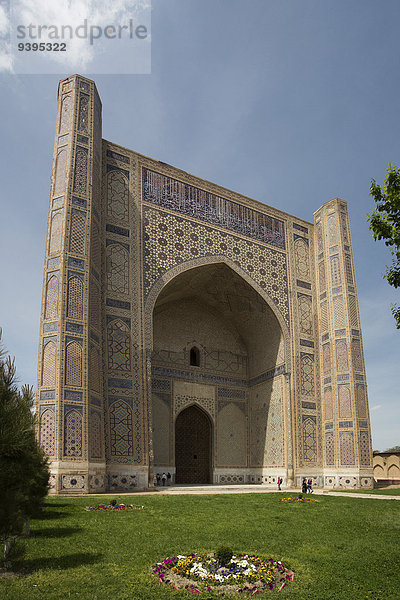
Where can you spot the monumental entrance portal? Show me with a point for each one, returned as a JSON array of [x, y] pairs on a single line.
[[189, 329]]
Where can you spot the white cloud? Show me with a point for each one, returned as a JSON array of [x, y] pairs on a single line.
[[65, 17], [376, 407], [4, 21], [6, 63]]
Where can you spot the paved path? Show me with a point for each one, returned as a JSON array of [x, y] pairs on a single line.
[[239, 489]]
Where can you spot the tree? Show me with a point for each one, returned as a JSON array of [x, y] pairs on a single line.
[[393, 449], [385, 225], [24, 472]]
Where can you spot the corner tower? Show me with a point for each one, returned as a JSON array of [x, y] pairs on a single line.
[[345, 416], [69, 392]]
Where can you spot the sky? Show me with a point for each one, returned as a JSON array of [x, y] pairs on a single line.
[[292, 103]]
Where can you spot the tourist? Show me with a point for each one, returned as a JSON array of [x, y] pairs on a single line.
[[309, 486], [279, 483], [164, 478], [304, 486], [168, 478], [158, 478], [155, 479]]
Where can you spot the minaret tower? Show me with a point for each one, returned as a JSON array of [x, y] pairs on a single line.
[[69, 392], [345, 416]]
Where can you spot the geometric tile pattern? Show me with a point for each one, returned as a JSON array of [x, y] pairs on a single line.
[[51, 309], [322, 283], [307, 375], [122, 482], [335, 270], [328, 404], [364, 446], [342, 360], [329, 449], [49, 364], [301, 254], [326, 358], [73, 482], [117, 269], [344, 402], [75, 298], [353, 312], [119, 346], [96, 441], [356, 354], [309, 439], [348, 269], [332, 236], [73, 364], [56, 231], [95, 371], [47, 431], [274, 439], [77, 236], [65, 113], [83, 115], [171, 240], [80, 178], [117, 196], [338, 311], [360, 401], [305, 314], [346, 448], [73, 434], [120, 416], [61, 165]]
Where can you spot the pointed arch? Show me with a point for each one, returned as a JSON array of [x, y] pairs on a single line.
[[211, 260], [51, 305], [75, 298], [73, 364], [49, 364], [56, 229]]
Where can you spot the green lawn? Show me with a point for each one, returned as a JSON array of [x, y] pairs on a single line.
[[380, 492], [340, 548]]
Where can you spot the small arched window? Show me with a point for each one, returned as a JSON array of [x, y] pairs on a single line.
[[194, 357]]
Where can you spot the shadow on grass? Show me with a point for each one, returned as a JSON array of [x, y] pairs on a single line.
[[70, 561], [51, 514], [55, 532]]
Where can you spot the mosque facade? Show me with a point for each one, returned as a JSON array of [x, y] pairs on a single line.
[[189, 329]]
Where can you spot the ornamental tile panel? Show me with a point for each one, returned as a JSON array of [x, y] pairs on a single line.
[[171, 240]]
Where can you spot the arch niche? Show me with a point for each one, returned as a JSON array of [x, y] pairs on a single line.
[[235, 383], [193, 442]]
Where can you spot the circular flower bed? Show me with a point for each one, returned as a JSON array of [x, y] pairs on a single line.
[[296, 499], [204, 572], [114, 507]]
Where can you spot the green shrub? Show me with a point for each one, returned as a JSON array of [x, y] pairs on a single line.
[[224, 555]]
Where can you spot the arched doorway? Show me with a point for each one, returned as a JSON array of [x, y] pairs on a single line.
[[193, 446]]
